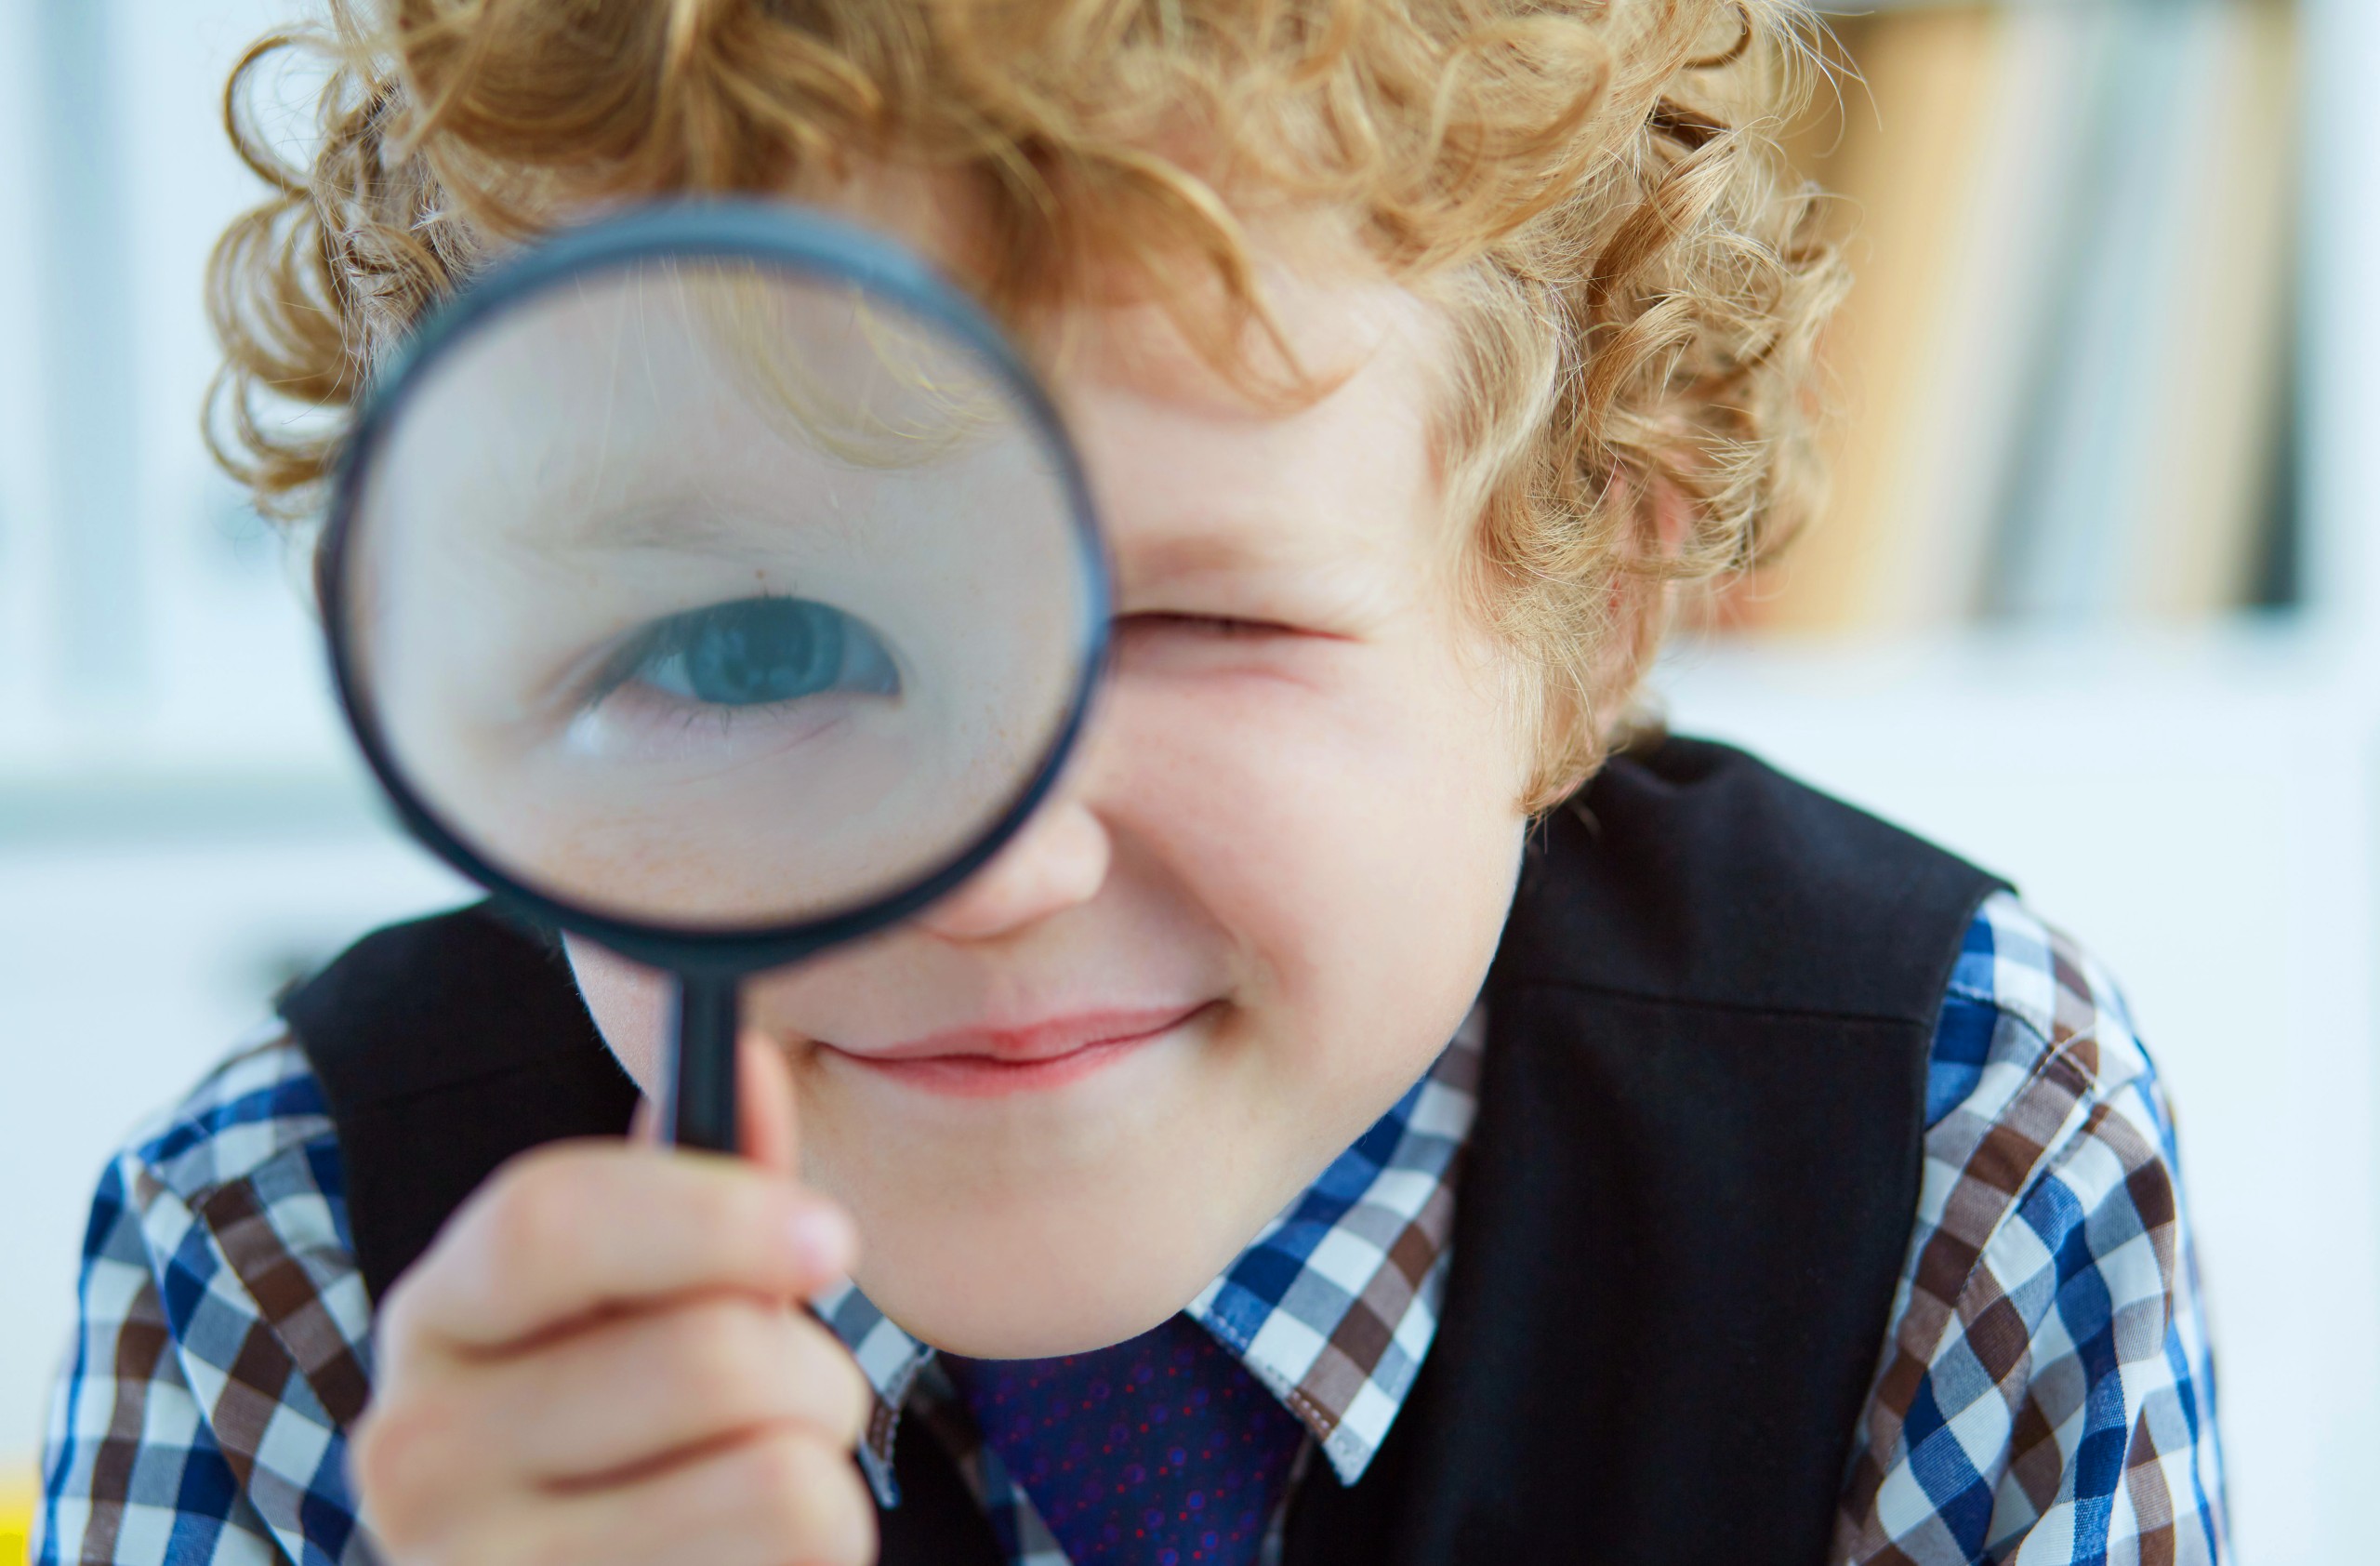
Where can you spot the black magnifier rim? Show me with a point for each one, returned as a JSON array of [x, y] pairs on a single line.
[[786, 238]]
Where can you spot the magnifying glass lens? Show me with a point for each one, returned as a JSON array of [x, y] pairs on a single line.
[[707, 595]]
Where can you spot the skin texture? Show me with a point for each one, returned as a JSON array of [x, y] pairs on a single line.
[[1296, 810]]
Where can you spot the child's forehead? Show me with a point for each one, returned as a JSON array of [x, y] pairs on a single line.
[[1326, 326], [1196, 483], [1161, 324], [1203, 471], [1214, 465], [1200, 478]]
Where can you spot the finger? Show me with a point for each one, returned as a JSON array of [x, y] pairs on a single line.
[[417, 1467], [764, 1106], [576, 1229], [639, 1390], [783, 1496], [766, 1110]]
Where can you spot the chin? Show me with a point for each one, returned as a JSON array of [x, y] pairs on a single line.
[[1050, 1278], [1034, 1327]]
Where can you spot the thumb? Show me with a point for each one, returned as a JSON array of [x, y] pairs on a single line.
[[765, 1120], [764, 1111]]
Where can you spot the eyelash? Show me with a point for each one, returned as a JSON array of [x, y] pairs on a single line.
[[1222, 625]]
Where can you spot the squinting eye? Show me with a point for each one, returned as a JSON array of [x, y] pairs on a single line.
[[757, 652], [1203, 625]]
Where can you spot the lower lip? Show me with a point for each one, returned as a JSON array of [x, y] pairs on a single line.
[[982, 1076]]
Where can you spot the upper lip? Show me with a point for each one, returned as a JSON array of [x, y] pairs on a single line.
[[1046, 1040]]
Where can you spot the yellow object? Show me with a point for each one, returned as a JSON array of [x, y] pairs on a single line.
[[16, 1519]]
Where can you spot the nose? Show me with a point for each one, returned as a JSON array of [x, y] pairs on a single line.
[[1057, 860]]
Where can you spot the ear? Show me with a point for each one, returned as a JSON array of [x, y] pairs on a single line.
[[1669, 516], [1640, 604], [1641, 600], [1664, 516]]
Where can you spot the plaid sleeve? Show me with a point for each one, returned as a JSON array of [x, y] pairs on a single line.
[[222, 1344], [2046, 1393]]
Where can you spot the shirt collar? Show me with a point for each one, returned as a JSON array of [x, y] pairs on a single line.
[[1332, 1307]]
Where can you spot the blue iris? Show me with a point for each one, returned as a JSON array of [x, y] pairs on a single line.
[[758, 652]]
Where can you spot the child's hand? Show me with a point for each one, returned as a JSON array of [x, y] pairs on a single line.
[[603, 1361]]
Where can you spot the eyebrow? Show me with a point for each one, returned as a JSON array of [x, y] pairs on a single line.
[[647, 523], [681, 526], [651, 502]]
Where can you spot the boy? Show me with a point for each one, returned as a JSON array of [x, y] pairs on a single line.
[[1282, 1150]]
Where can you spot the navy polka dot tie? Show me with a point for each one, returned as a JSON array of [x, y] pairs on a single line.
[[1162, 1450]]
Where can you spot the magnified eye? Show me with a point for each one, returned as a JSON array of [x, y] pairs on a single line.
[[757, 652]]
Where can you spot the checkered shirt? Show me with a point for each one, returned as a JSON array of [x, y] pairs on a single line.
[[2045, 1393], [2043, 1396]]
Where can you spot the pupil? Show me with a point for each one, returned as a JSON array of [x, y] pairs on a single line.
[[746, 655]]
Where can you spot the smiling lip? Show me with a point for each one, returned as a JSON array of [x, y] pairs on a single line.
[[987, 1062]]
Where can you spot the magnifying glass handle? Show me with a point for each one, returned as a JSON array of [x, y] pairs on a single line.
[[701, 1111]]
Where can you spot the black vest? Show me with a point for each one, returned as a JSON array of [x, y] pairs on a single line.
[[1679, 1226]]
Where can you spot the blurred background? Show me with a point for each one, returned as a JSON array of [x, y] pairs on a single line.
[[2088, 606]]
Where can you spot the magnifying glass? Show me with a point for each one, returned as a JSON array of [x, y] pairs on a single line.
[[716, 583]]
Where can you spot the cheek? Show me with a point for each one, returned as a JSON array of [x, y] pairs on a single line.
[[630, 1005], [1356, 831]]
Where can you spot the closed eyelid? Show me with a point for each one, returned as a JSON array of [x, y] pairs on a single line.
[[1221, 554], [1191, 619], [1227, 573]]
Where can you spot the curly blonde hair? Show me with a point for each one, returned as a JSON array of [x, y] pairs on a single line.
[[1591, 189]]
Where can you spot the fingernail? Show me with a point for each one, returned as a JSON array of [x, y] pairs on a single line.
[[821, 1240]]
